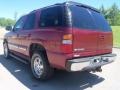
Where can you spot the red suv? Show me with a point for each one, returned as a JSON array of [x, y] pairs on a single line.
[[68, 36]]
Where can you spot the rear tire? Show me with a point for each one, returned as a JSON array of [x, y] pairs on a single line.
[[6, 50], [40, 66]]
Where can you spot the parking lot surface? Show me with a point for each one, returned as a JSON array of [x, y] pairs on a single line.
[[15, 75]]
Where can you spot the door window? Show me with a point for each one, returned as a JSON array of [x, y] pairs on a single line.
[[19, 24]]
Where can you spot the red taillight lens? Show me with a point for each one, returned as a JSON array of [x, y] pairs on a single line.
[[67, 43]]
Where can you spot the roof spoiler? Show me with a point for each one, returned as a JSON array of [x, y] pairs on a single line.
[[82, 5]]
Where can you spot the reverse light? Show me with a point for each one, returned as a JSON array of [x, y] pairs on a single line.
[[67, 42]]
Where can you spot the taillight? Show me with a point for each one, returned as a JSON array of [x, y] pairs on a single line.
[[67, 43], [67, 39]]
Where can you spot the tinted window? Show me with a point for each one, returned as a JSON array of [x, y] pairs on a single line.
[[100, 21], [19, 24], [81, 18], [30, 22], [51, 17]]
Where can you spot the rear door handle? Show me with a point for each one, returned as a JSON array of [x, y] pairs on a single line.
[[29, 35], [17, 35], [102, 37]]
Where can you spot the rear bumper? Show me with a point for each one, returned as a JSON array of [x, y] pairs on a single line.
[[89, 63]]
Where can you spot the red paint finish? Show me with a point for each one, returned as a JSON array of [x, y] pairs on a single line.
[[90, 40], [85, 40], [105, 42], [88, 43]]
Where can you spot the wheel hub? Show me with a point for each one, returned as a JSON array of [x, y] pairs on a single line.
[[38, 66]]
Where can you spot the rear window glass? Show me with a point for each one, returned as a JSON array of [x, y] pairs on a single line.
[[100, 21], [81, 18], [88, 19]]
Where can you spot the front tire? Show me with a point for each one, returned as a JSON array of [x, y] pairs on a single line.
[[40, 66], [6, 50]]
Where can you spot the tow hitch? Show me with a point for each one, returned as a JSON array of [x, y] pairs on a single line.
[[98, 69]]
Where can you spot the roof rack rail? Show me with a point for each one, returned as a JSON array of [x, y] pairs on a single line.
[[70, 3]]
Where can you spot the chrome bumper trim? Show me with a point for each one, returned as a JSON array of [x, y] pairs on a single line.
[[93, 62]]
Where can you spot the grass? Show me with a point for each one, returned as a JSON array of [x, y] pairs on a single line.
[[116, 35]]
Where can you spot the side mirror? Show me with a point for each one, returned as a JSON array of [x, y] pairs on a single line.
[[9, 28]]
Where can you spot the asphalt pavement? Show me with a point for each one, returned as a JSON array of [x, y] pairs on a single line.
[[15, 75]]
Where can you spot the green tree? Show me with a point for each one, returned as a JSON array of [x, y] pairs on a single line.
[[102, 10], [113, 14], [6, 22]]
